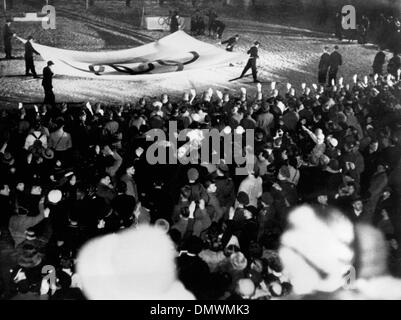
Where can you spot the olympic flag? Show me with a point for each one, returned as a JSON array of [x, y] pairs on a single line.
[[177, 52]]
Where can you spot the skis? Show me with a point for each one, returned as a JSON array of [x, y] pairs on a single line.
[[248, 75]]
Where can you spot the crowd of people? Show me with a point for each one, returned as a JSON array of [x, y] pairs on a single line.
[[69, 175]]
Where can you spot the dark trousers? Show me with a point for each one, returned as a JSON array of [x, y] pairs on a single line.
[[49, 96], [7, 49], [30, 66], [322, 76], [333, 75], [251, 65]]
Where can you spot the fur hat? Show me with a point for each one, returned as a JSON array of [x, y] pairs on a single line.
[[267, 198], [55, 196], [238, 261], [132, 265], [284, 173], [193, 174], [29, 257], [243, 198], [163, 224]]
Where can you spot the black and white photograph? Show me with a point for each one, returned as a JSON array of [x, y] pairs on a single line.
[[208, 152]]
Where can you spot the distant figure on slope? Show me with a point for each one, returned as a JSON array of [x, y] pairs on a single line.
[[324, 65], [231, 43]]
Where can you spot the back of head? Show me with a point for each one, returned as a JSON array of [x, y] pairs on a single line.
[[132, 265]]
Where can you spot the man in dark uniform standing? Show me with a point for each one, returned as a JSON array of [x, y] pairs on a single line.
[[174, 22], [254, 55], [324, 65], [336, 61], [378, 62], [365, 23], [47, 84], [231, 43], [7, 36], [29, 65], [212, 15]]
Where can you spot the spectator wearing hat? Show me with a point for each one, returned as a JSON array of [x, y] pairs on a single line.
[[197, 190], [242, 224], [37, 242], [290, 119], [29, 64], [265, 119], [215, 211], [332, 150], [128, 178], [183, 202], [288, 189], [124, 204], [105, 189], [352, 162], [357, 211], [263, 161], [332, 176], [224, 187], [266, 215]]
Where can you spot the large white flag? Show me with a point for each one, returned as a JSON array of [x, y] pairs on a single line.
[[177, 52]]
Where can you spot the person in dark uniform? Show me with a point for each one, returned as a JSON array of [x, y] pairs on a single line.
[[324, 65], [365, 23], [47, 84], [231, 42], [378, 62], [218, 28], [212, 15], [175, 22], [29, 65], [336, 61], [338, 25], [8, 34], [254, 55], [394, 64]]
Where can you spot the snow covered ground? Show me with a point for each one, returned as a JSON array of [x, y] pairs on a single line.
[[287, 55]]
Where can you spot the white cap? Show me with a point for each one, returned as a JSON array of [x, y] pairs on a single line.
[[196, 117], [333, 142], [55, 196]]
